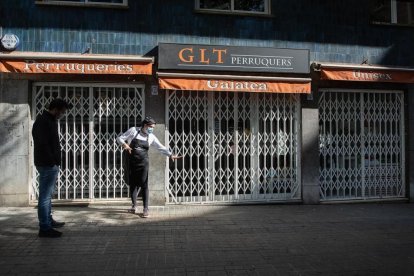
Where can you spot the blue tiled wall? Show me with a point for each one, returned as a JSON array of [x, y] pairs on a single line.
[[334, 31]]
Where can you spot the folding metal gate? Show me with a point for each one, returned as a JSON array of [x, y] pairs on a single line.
[[236, 146], [361, 144], [91, 159]]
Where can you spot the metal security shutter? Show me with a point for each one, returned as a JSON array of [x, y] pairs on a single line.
[[361, 144], [91, 159], [237, 146]]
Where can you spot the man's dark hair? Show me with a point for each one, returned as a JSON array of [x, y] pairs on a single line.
[[58, 104]]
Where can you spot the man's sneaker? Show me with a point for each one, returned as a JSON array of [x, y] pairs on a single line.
[[145, 214], [57, 224], [132, 210], [51, 233]]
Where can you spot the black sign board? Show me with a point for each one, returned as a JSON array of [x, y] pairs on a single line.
[[232, 58]]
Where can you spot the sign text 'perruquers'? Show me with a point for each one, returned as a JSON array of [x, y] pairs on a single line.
[[232, 58]]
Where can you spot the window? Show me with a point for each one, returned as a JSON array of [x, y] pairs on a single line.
[[102, 3], [234, 6], [393, 12]]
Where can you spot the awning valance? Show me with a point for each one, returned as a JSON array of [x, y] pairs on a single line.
[[204, 82], [55, 63], [342, 72]]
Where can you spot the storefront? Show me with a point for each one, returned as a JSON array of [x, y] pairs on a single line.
[[239, 134], [107, 95], [362, 132], [234, 113]]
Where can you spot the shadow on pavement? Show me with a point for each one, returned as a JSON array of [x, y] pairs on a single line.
[[360, 239]]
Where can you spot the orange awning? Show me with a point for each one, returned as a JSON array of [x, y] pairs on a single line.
[[35, 63], [199, 82], [366, 73]]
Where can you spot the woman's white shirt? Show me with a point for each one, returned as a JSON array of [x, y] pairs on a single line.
[[153, 141]]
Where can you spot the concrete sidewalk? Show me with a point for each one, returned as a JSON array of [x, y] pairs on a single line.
[[361, 239]]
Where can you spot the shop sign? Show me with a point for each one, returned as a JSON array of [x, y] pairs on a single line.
[[75, 67], [10, 42], [377, 75], [232, 58], [154, 90], [233, 85]]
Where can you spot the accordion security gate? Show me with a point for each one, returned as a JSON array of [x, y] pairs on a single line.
[[91, 160], [361, 145], [237, 147]]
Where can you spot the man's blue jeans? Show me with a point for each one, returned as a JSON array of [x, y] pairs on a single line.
[[47, 181]]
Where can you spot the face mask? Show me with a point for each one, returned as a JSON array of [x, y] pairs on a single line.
[[60, 114], [150, 130]]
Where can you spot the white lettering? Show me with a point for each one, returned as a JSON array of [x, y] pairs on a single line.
[[211, 84], [224, 86], [76, 67], [262, 61], [237, 85], [28, 64], [39, 66], [100, 67], [90, 67], [374, 76], [70, 66], [80, 67]]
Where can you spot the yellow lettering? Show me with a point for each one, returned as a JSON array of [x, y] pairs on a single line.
[[188, 58], [202, 56], [219, 54]]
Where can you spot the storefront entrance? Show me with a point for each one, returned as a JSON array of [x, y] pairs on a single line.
[[361, 144], [91, 159], [237, 146]]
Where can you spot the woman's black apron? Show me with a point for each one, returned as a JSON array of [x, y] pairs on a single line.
[[138, 164]]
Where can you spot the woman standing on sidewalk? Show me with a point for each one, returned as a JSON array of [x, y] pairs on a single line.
[[136, 141]]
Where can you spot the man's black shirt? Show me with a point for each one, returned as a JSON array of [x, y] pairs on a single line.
[[47, 151]]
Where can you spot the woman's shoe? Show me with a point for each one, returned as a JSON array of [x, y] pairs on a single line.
[[145, 214], [132, 210]]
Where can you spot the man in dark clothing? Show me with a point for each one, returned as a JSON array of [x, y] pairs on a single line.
[[47, 156]]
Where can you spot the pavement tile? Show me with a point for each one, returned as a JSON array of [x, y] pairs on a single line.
[[353, 239]]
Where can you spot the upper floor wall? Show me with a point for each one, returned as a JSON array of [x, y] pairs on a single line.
[[334, 31]]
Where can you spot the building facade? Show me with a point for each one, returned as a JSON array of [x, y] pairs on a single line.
[[268, 100]]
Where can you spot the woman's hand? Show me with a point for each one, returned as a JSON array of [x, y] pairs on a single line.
[[128, 148], [174, 157]]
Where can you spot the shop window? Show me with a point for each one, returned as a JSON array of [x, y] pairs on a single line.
[[99, 3], [393, 12], [234, 6]]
